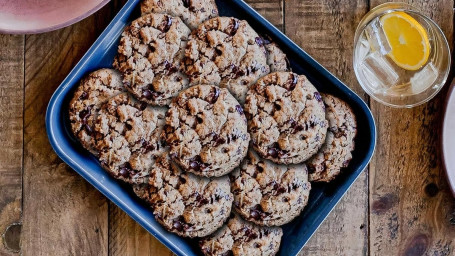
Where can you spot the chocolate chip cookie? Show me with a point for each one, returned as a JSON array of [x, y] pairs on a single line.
[[239, 237], [149, 57], [335, 154], [186, 204], [128, 137], [276, 58], [286, 118], [206, 130], [93, 91], [192, 12], [226, 52], [269, 194]]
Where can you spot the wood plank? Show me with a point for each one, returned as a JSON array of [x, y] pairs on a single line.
[[11, 139], [325, 29], [62, 213], [127, 238], [412, 211]]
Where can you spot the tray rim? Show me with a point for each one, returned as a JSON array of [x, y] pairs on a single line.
[[61, 89]]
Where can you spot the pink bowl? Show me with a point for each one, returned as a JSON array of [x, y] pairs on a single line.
[[37, 16]]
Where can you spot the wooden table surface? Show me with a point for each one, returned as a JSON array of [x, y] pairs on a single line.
[[400, 205]]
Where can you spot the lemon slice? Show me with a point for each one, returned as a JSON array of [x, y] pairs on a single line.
[[408, 40]]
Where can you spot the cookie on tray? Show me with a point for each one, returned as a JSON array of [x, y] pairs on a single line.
[[206, 131], [239, 237], [269, 194], [192, 12], [335, 154], [128, 137], [227, 52], [186, 204], [276, 58], [149, 57], [286, 118], [93, 91]]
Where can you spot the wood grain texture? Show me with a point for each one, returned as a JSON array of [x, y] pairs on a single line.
[[62, 213], [11, 138], [325, 29], [127, 238], [412, 211]]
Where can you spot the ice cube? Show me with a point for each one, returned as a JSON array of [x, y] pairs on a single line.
[[377, 38], [377, 71], [363, 49], [424, 78]]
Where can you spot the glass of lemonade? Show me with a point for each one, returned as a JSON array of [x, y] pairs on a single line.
[[401, 57]]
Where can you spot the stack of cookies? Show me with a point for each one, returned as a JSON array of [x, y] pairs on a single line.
[[203, 118]]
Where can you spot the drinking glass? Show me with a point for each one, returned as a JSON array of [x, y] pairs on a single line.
[[378, 73]]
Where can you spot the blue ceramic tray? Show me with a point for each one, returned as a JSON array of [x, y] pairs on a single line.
[[323, 198]]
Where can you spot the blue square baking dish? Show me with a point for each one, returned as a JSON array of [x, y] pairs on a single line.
[[323, 197]]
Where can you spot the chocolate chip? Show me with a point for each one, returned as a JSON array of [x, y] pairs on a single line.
[[233, 27], [280, 190], [186, 3], [125, 170], [239, 109], [128, 126], [143, 106], [152, 48], [84, 114], [259, 168], [182, 180], [218, 52], [199, 120], [277, 106], [273, 152], [218, 140], [178, 225], [311, 169], [317, 96], [124, 173], [250, 234], [259, 41], [255, 215], [166, 24], [292, 82], [244, 82], [83, 96], [194, 165], [237, 72], [213, 96], [169, 67], [228, 253], [257, 245], [296, 127], [147, 94], [201, 200], [285, 199], [178, 78]]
